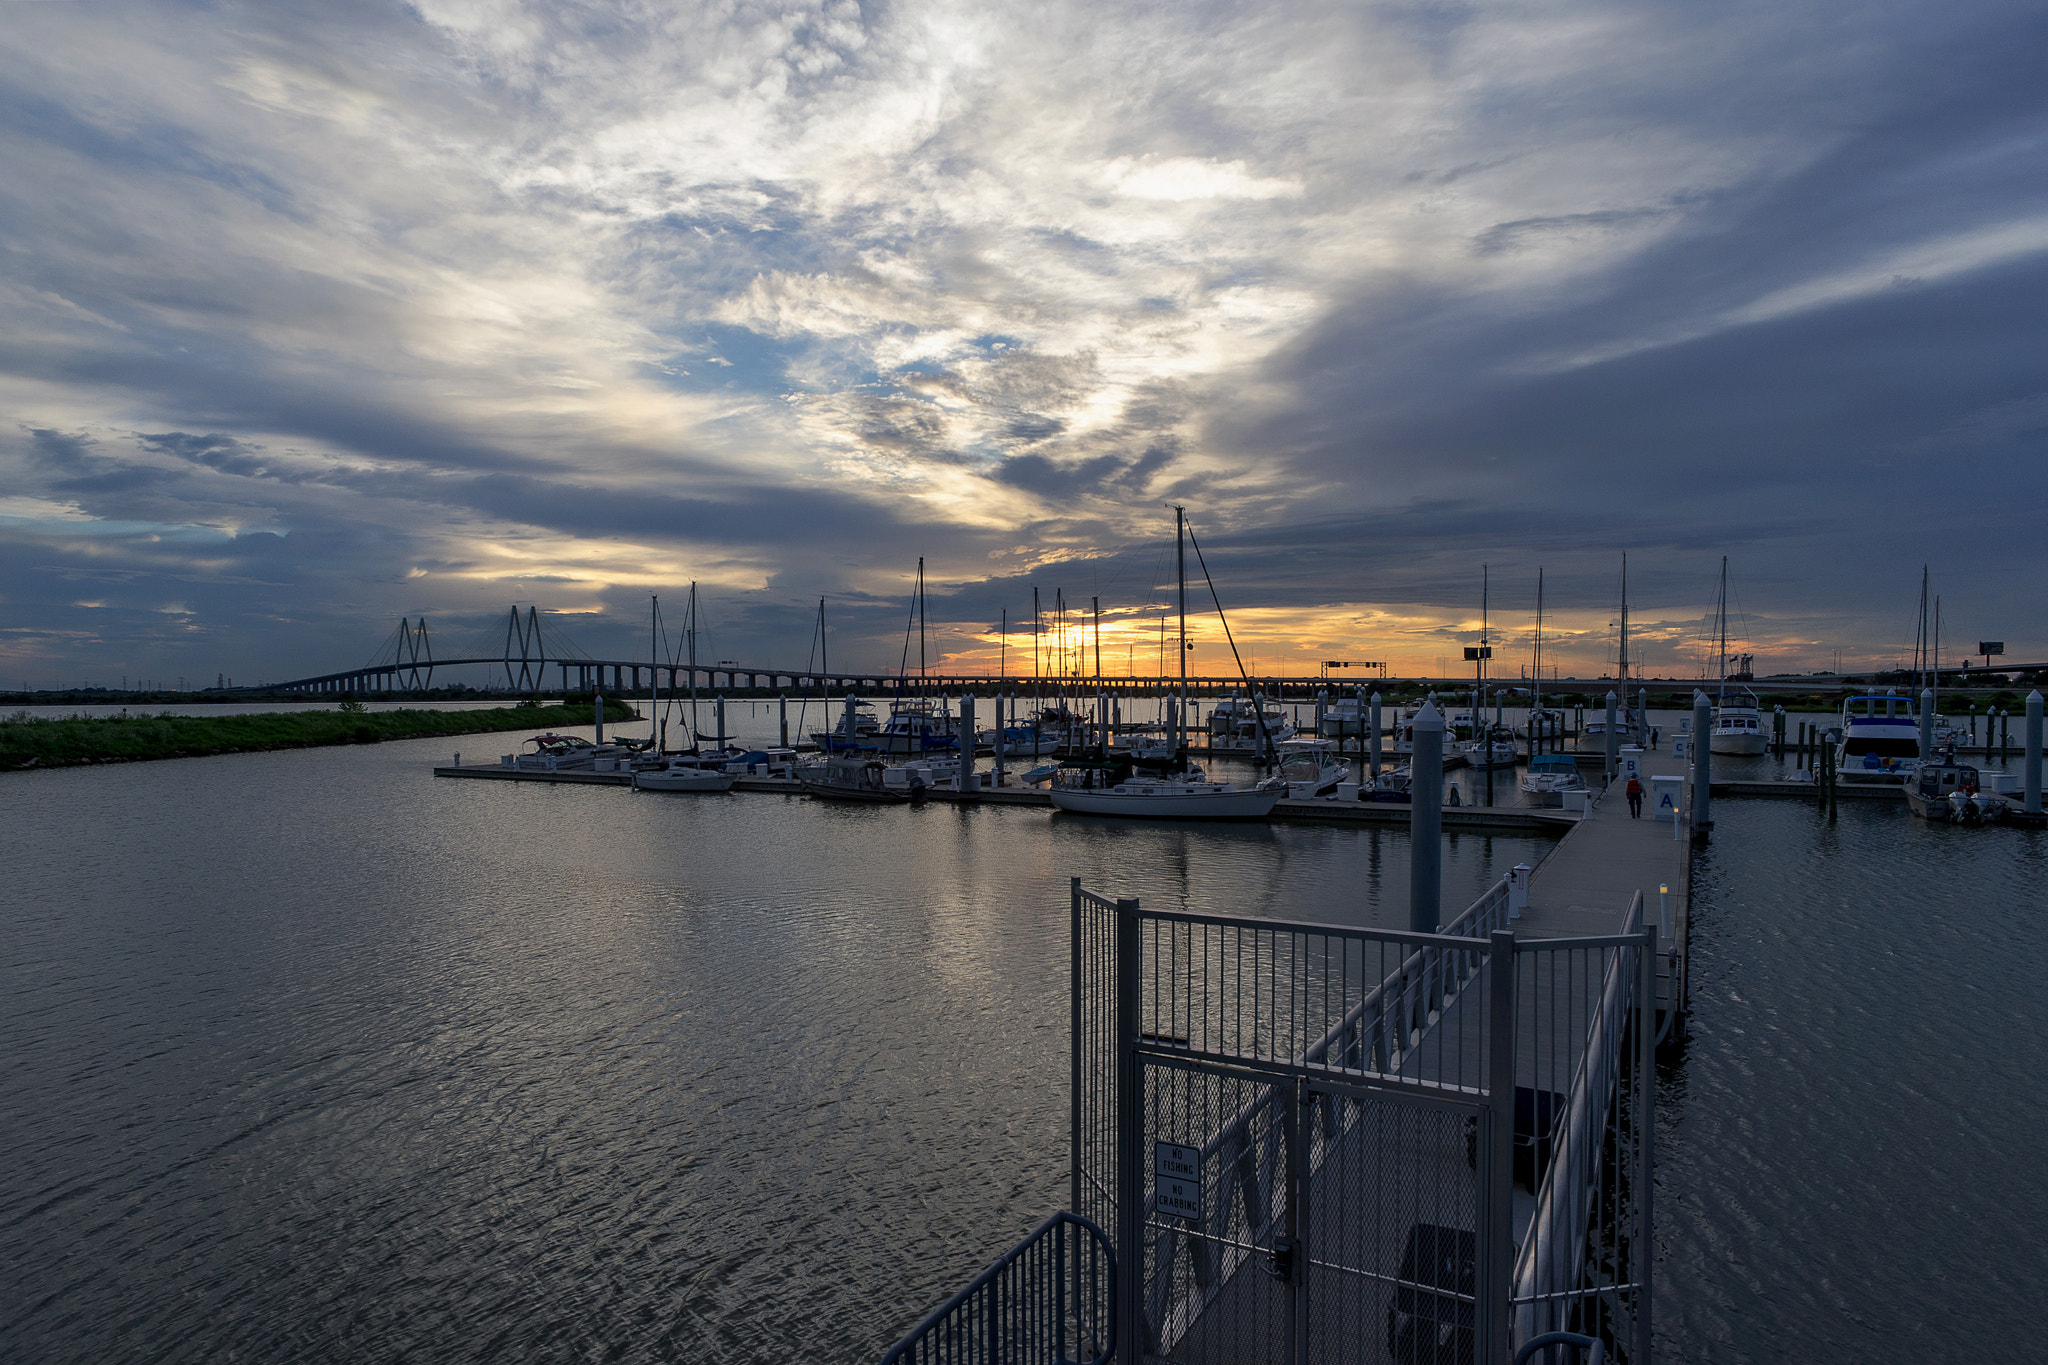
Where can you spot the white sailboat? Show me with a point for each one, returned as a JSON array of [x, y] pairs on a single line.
[[1593, 732], [1187, 796], [1738, 721]]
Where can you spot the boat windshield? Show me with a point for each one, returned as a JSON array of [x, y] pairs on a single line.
[[1858, 745]]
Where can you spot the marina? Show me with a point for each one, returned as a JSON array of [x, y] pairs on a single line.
[[820, 685], [611, 868]]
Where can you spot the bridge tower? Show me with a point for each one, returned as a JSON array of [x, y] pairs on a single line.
[[415, 658], [532, 656]]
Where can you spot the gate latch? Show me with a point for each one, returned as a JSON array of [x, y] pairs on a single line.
[[1280, 1259]]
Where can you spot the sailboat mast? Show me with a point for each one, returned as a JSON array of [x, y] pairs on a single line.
[[1180, 571], [1721, 610], [654, 666], [920, 625], [691, 636], [1621, 655]]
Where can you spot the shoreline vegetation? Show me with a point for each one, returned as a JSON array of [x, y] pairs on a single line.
[[28, 742]]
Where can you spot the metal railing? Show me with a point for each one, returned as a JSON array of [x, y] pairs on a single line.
[[1360, 1002], [1591, 1149], [1049, 1300]]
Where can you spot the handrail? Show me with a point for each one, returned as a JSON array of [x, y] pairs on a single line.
[[993, 1344], [1427, 967], [1595, 1349], [1537, 1268]]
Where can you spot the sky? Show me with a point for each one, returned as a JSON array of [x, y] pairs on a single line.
[[318, 317]]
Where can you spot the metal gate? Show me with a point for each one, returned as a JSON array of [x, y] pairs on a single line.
[[1330, 1155]]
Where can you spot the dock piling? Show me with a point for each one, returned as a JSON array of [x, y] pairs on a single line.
[[782, 706], [2033, 764], [1613, 738], [1926, 723], [1702, 765], [967, 781], [1426, 822], [1375, 734]]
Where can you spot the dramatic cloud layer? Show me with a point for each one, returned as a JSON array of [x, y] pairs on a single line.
[[318, 315]]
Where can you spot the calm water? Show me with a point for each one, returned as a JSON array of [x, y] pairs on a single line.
[[1849, 1158], [313, 1055]]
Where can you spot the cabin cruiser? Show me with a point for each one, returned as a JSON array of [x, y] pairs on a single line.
[[1344, 717], [1738, 724], [566, 753], [1147, 747], [854, 732], [1549, 777], [1497, 750], [1311, 767], [1952, 792], [917, 726], [1235, 723], [1880, 741], [1593, 730]]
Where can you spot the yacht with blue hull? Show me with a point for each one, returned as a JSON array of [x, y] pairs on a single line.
[[1880, 744]]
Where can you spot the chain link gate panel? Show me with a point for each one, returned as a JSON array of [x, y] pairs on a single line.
[[1345, 1180]]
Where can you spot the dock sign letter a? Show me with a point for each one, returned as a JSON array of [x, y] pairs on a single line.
[[1177, 1180]]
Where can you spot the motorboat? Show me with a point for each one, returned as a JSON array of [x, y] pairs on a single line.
[[1394, 786], [1020, 741], [1880, 744], [1247, 723], [1549, 777], [1311, 767], [1738, 724], [1542, 723], [1187, 797], [1346, 717], [1497, 750], [854, 733], [1953, 793], [917, 726], [1148, 747], [852, 777], [566, 753]]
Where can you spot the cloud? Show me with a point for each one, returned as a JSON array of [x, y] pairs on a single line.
[[321, 315]]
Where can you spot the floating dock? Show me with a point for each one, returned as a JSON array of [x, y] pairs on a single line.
[[1328, 810]]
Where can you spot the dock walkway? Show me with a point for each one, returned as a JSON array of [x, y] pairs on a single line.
[[1584, 884]]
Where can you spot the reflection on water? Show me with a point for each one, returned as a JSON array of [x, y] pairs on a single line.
[[1849, 1155], [312, 1055]]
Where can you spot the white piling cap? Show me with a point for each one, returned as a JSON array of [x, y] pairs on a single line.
[[1428, 718]]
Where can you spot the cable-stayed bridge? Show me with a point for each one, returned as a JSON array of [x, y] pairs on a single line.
[[535, 655]]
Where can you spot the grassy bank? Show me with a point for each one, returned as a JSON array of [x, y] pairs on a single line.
[[34, 743]]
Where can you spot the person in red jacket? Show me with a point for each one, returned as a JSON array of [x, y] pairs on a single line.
[[1635, 799]]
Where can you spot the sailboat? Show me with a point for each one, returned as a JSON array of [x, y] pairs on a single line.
[[1185, 796], [1738, 723], [1593, 732], [686, 771], [1487, 745], [1543, 722], [916, 725]]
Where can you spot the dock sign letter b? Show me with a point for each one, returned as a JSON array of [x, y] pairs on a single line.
[[1177, 1180]]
